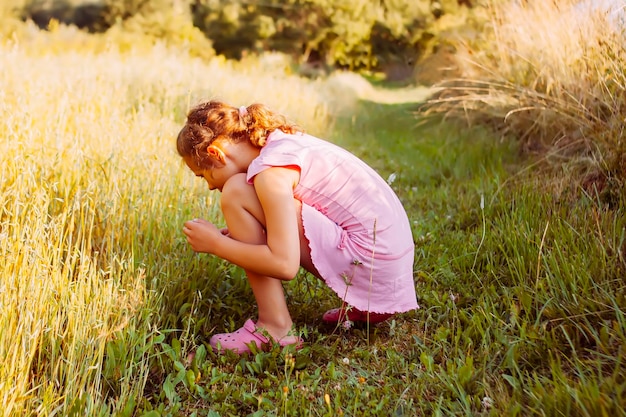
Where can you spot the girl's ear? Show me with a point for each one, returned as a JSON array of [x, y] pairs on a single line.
[[216, 152]]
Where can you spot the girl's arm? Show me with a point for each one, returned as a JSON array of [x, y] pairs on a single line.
[[279, 257]]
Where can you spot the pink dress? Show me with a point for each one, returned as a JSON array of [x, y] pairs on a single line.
[[360, 238]]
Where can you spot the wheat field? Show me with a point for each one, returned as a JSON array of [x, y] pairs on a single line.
[[92, 199]]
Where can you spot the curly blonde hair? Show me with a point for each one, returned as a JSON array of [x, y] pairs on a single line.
[[213, 120]]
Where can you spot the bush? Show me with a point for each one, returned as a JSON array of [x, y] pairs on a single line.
[[390, 35], [172, 28], [97, 15], [85, 15], [354, 35], [116, 11], [11, 9], [130, 24]]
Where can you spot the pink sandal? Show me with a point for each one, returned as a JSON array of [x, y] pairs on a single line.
[[337, 315], [239, 340]]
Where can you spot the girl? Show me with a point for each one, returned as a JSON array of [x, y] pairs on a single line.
[[291, 200]]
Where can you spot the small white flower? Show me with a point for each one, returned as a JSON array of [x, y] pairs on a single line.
[[346, 361], [487, 403], [347, 324], [391, 178]]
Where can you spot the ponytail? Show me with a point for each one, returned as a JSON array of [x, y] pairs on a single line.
[[213, 119]]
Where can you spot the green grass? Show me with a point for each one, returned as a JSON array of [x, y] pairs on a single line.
[[519, 272], [521, 290]]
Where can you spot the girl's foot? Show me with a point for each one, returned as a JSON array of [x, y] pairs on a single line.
[[239, 341], [337, 315]]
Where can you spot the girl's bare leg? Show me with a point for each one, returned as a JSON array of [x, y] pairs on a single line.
[[246, 222]]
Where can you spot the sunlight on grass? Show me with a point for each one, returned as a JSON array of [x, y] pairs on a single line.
[[106, 311], [93, 198]]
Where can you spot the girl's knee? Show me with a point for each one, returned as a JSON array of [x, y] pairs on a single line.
[[237, 189], [238, 196]]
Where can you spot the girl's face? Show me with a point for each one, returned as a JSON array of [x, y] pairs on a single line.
[[228, 159], [216, 176]]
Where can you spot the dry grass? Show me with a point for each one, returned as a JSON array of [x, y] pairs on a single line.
[[88, 169], [551, 74]]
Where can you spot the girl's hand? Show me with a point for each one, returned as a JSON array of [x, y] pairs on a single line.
[[202, 235]]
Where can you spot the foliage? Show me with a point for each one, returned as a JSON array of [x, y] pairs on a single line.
[[355, 34], [389, 35], [11, 9], [174, 29], [96, 16], [555, 88], [119, 10], [125, 24], [89, 16]]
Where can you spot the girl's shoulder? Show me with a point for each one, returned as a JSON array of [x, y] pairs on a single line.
[[279, 135], [299, 140]]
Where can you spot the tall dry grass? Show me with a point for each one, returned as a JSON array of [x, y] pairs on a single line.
[[551, 74], [92, 198]]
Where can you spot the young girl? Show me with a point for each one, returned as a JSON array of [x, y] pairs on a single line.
[[291, 200]]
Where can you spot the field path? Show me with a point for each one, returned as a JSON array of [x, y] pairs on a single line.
[[416, 94], [345, 89]]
